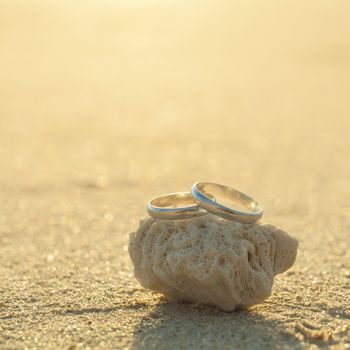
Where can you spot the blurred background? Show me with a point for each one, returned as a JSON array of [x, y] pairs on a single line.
[[146, 91]]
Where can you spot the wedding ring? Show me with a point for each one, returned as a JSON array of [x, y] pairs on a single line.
[[203, 193], [172, 206]]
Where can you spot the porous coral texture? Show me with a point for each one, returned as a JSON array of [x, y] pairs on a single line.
[[210, 260]]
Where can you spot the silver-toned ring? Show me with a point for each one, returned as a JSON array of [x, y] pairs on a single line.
[[203, 192], [173, 206]]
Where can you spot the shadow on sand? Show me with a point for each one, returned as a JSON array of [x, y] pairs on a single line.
[[186, 326]]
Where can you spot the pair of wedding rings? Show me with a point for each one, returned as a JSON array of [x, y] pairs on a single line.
[[201, 200]]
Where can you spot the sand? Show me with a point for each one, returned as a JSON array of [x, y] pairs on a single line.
[[104, 104]]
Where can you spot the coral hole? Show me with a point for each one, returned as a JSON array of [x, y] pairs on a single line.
[[222, 260]]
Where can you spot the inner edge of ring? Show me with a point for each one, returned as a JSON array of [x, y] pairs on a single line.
[[156, 208]]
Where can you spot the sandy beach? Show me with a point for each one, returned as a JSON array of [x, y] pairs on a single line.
[[104, 104]]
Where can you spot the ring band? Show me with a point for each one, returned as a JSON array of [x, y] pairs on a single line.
[[172, 206], [203, 192]]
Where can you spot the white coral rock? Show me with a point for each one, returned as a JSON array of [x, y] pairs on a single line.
[[210, 260]]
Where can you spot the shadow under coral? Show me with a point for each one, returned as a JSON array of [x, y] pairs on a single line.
[[193, 326]]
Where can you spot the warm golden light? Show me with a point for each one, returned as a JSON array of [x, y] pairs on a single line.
[[105, 104]]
